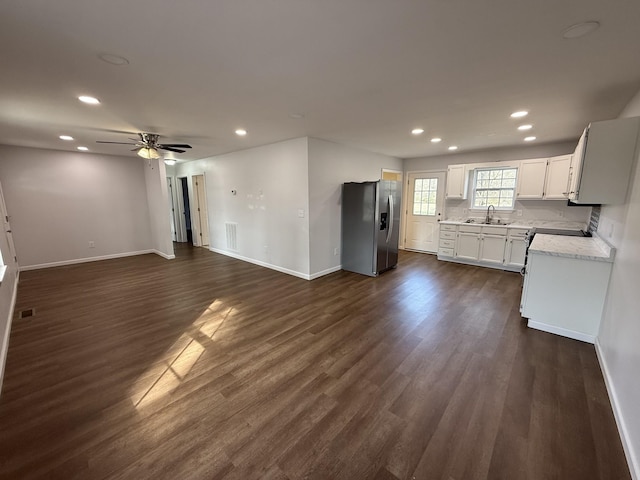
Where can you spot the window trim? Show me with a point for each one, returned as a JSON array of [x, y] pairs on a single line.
[[474, 186]]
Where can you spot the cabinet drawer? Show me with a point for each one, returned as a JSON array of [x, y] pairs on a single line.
[[470, 228], [518, 233], [495, 230], [447, 228], [447, 243], [447, 235], [445, 252]]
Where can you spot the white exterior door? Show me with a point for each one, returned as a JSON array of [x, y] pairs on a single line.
[[425, 195]]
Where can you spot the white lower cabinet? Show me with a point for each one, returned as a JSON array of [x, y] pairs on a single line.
[[516, 248], [492, 248], [483, 245], [468, 245]]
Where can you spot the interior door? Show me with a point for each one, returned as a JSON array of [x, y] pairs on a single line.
[[201, 206], [172, 210], [424, 210], [8, 235]]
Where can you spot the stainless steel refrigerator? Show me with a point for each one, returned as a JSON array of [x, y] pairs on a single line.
[[370, 226]]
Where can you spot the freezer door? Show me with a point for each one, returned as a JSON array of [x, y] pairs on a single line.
[[388, 225], [359, 227]]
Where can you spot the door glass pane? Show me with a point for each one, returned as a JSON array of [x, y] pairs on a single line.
[[424, 197]]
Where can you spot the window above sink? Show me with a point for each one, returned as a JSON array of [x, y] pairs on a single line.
[[494, 186]]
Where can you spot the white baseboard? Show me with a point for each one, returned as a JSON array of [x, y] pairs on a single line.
[[562, 331], [164, 255], [313, 276], [4, 344], [304, 276], [632, 460], [24, 268]]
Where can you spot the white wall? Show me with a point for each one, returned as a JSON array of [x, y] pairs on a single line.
[[532, 210], [619, 340], [158, 201], [59, 201], [330, 165], [271, 184]]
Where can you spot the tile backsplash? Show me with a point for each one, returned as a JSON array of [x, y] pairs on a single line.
[[524, 211]]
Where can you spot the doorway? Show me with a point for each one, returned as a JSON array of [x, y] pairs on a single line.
[[425, 204], [202, 219]]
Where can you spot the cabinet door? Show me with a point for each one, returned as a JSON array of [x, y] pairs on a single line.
[[456, 181], [531, 176], [575, 170], [468, 246], [515, 252], [492, 248], [557, 182]]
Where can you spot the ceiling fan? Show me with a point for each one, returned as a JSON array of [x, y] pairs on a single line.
[[147, 146]]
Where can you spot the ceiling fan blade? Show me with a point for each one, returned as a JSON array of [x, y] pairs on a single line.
[[176, 145], [171, 149], [118, 143]]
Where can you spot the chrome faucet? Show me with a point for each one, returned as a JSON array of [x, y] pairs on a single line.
[[489, 217]]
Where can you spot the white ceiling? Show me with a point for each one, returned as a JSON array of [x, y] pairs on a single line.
[[363, 72]]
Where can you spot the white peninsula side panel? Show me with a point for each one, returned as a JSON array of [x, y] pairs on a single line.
[[565, 294]]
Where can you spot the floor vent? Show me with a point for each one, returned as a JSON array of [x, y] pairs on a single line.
[[29, 312], [232, 239]]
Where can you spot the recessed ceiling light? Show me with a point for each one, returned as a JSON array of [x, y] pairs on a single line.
[[453, 147], [297, 116], [83, 149], [525, 127], [580, 29], [529, 139], [65, 137], [241, 132], [417, 131], [89, 100], [170, 162], [113, 59], [436, 140], [519, 114]]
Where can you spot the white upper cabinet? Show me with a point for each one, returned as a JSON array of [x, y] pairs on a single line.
[[531, 177], [457, 181], [557, 182], [601, 165]]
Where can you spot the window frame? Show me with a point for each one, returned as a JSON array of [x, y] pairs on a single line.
[[474, 188]]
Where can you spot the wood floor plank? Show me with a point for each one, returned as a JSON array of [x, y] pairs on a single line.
[[209, 367]]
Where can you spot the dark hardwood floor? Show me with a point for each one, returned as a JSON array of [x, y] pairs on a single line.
[[206, 367]]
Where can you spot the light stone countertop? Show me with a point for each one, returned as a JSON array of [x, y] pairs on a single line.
[[524, 224], [585, 248]]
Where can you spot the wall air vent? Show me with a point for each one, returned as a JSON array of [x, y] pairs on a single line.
[[232, 239]]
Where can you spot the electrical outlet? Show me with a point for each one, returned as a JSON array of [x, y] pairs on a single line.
[[336, 251], [92, 244], [301, 212], [464, 211], [519, 213], [265, 248]]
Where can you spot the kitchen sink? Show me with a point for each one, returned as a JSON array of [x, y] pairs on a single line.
[[494, 222]]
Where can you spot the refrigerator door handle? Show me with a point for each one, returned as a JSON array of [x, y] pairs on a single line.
[[390, 223]]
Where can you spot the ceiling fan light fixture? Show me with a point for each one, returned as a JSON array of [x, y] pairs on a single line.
[[89, 100], [148, 153]]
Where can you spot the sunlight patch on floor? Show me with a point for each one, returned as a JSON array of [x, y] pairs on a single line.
[[164, 377]]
